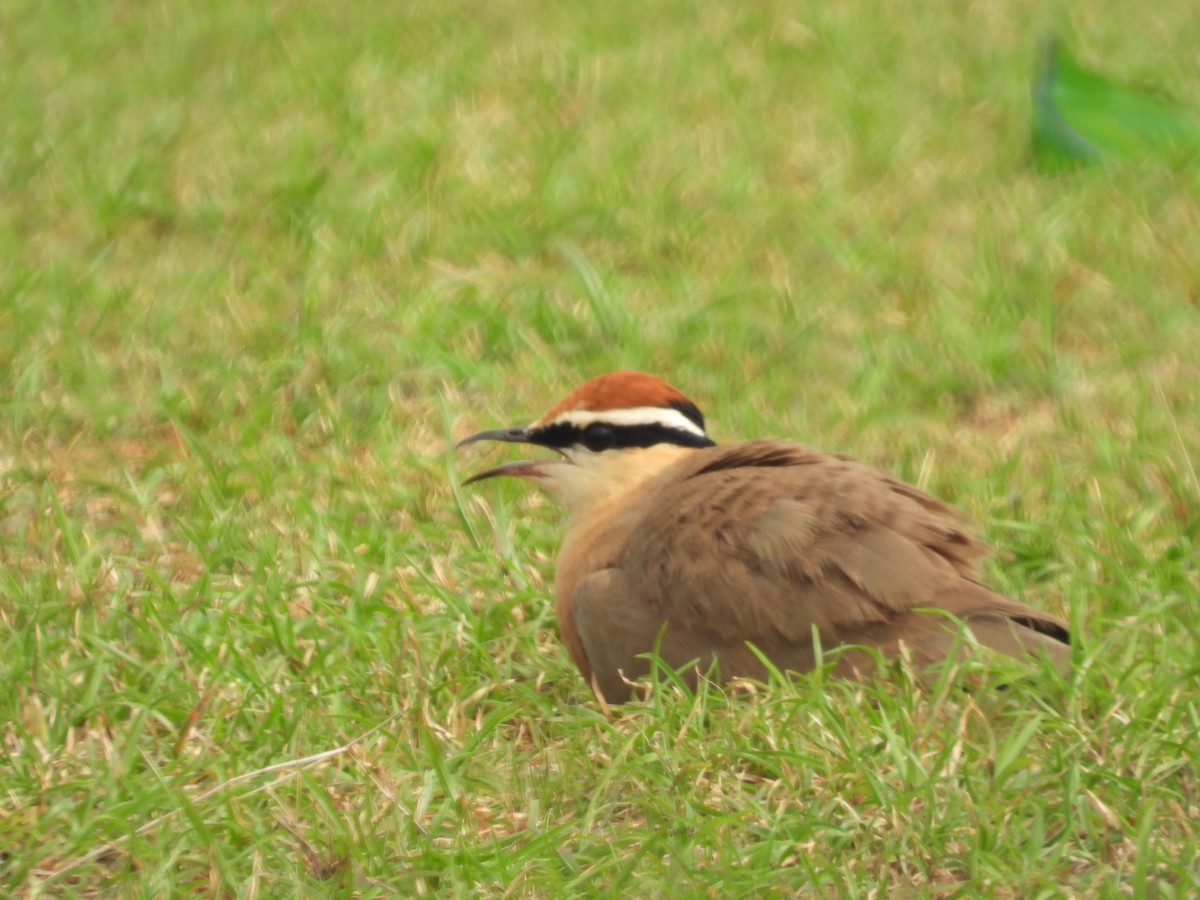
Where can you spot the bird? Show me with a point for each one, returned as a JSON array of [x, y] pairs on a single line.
[[723, 557]]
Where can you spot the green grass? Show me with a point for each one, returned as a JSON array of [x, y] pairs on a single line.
[[261, 264]]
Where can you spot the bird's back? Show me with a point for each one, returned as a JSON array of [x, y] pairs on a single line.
[[767, 543]]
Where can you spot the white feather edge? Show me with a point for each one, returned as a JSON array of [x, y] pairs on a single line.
[[638, 415]]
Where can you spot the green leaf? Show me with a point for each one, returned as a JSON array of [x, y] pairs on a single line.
[[1082, 117]]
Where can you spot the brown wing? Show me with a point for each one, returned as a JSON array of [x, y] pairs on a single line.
[[766, 541]]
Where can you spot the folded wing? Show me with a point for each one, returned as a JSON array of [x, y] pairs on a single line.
[[770, 543]]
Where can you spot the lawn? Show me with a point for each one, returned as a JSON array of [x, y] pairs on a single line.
[[261, 265]]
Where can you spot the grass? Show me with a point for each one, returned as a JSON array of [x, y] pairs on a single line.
[[262, 264]]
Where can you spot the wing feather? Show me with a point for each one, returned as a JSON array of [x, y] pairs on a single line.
[[764, 541]]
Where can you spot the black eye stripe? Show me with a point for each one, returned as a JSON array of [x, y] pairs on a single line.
[[690, 410], [563, 435]]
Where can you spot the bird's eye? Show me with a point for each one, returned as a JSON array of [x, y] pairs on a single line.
[[598, 436]]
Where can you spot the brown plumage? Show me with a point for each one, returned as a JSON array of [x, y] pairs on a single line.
[[704, 550]]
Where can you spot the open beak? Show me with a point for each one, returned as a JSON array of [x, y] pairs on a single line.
[[515, 435], [526, 468]]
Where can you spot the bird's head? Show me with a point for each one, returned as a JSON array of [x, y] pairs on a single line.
[[612, 433]]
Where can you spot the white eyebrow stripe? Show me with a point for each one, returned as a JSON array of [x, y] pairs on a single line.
[[638, 415]]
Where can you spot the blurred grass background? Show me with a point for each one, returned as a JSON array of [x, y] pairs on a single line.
[[262, 263]]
